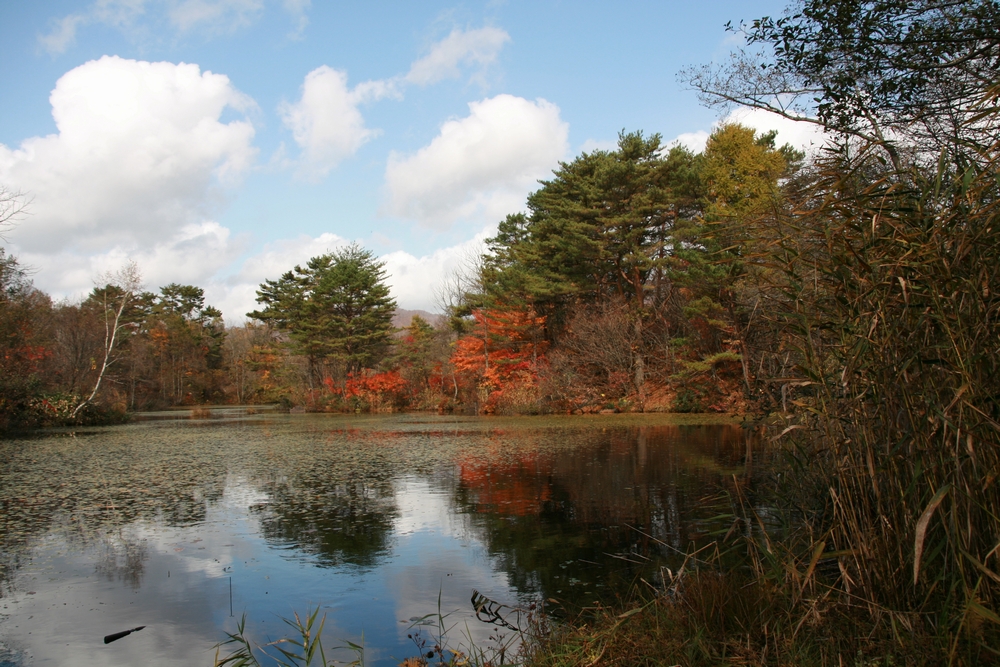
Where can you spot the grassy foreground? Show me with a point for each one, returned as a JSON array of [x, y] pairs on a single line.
[[704, 618], [730, 619]]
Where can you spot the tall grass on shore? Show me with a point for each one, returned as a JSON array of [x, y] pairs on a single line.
[[881, 289], [304, 648], [885, 289], [784, 605]]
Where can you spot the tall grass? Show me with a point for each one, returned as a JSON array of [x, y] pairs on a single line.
[[303, 649], [885, 308]]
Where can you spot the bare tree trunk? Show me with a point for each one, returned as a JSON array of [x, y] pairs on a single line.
[[640, 366], [129, 281], [486, 343]]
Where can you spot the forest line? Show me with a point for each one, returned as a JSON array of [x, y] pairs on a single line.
[[607, 295]]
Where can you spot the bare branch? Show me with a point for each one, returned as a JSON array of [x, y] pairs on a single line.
[[13, 206], [753, 83], [464, 280]]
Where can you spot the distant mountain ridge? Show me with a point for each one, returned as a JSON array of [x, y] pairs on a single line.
[[402, 318]]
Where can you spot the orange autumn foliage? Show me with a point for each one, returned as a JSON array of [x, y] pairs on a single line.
[[29, 353], [374, 389], [369, 382], [503, 353]]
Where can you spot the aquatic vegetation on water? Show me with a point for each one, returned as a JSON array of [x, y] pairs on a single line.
[[305, 647], [363, 517], [303, 650]]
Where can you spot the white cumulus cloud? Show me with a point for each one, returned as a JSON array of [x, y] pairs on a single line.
[[693, 141], [281, 256], [802, 135], [236, 295], [326, 122], [479, 167], [445, 58], [192, 255], [138, 163], [414, 281]]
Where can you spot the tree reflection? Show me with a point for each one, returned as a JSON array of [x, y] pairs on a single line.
[[122, 556], [338, 521], [330, 494], [569, 523], [566, 511]]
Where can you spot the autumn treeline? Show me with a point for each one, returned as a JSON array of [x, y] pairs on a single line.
[[621, 288], [614, 291], [169, 351], [624, 286]]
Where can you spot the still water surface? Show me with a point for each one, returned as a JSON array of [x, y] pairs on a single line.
[[173, 523]]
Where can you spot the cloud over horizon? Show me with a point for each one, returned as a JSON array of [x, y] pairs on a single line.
[[140, 152], [478, 167], [412, 279], [801, 135]]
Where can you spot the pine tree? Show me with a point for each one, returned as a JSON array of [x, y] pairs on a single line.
[[335, 309]]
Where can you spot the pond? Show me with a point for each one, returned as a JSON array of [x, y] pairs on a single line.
[[183, 525]]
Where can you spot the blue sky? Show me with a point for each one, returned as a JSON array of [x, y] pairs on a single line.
[[220, 142]]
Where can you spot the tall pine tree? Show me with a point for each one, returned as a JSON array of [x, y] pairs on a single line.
[[335, 309]]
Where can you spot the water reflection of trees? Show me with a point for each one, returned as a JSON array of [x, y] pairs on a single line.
[[569, 522], [551, 503], [121, 556], [337, 520], [330, 494]]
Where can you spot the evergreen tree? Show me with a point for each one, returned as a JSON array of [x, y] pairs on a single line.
[[593, 230], [186, 339], [337, 308]]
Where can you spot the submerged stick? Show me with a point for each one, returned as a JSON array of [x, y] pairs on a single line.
[[118, 635]]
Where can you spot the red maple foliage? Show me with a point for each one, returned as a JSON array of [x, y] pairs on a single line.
[[502, 354], [374, 389]]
